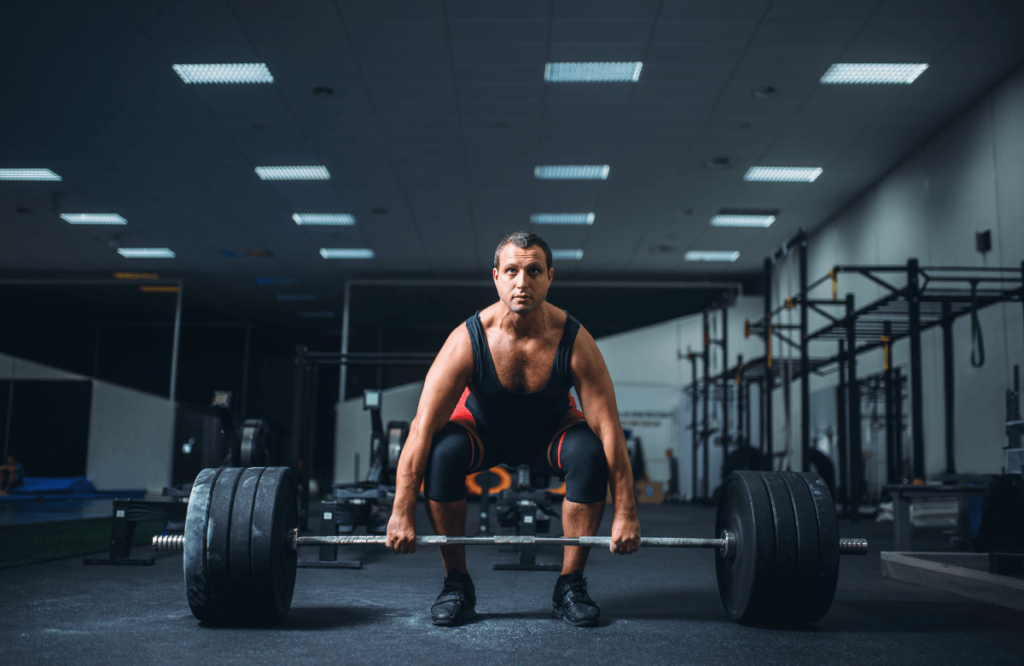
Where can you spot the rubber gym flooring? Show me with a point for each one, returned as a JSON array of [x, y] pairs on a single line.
[[659, 606]]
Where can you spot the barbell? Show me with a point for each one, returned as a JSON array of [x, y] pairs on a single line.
[[776, 553]]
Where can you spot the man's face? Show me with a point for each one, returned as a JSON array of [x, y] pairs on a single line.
[[522, 278]]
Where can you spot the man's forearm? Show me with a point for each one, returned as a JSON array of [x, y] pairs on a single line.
[[411, 468], [620, 477]]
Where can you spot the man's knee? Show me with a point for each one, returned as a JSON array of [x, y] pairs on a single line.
[[583, 462], [451, 453]]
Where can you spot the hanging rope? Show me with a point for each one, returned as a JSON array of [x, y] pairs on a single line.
[[977, 341], [835, 282]]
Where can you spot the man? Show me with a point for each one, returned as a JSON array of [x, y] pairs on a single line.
[[498, 392], [12, 475]]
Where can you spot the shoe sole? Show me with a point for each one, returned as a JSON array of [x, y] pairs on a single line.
[[557, 613], [454, 622]]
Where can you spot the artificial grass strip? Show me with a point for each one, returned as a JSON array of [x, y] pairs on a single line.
[[40, 542]]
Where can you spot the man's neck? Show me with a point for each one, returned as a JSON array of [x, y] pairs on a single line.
[[531, 324]]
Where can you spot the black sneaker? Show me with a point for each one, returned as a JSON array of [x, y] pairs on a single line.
[[457, 601], [572, 603]]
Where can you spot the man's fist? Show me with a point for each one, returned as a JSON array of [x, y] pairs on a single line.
[[401, 533]]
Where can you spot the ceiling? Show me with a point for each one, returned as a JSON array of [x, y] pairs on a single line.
[[439, 114]]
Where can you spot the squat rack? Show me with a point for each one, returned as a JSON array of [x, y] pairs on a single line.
[[932, 296]]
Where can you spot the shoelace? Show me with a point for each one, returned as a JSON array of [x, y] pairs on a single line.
[[452, 589], [577, 592]]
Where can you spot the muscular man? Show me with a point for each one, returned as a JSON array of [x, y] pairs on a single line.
[[498, 392]]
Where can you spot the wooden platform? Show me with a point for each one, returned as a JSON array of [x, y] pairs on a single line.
[[964, 574]]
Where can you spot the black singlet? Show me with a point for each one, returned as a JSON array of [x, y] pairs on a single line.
[[518, 421]]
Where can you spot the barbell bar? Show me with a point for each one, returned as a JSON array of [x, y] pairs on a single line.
[[726, 544], [776, 556]]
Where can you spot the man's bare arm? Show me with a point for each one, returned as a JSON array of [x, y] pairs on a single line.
[[445, 382], [597, 397]]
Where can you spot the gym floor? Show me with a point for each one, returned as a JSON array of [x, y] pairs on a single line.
[[658, 606]]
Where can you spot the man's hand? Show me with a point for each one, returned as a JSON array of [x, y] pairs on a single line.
[[401, 533], [625, 533]]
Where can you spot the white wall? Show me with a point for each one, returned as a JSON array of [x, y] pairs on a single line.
[[966, 179], [130, 432], [130, 439], [649, 364], [16, 368], [352, 431]]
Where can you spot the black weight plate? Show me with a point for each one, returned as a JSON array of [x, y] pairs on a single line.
[[218, 536], [746, 581], [808, 566], [274, 562], [240, 548], [819, 596], [197, 577], [785, 529]]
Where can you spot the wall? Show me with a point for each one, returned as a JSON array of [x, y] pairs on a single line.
[[964, 180], [352, 432], [130, 435], [130, 432]]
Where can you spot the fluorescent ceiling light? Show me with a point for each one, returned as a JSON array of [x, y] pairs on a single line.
[[274, 280], [592, 72], [242, 72], [346, 253], [317, 314], [322, 219], [881, 72], [562, 218], [572, 172], [146, 252], [296, 297], [783, 174], [93, 218], [566, 254], [28, 174], [729, 220], [293, 173], [712, 255]]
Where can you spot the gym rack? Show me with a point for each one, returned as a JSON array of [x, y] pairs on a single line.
[[932, 296]]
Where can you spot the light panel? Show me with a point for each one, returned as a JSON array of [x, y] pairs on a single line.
[[293, 173], [241, 72], [146, 252], [324, 219], [93, 218], [868, 73], [562, 218], [729, 220], [317, 314], [276, 280], [28, 174], [712, 255], [296, 297], [572, 172], [346, 253], [592, 72], [783, 174], [571, 255]]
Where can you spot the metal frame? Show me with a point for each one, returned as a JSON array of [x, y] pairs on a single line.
[[932, 296]]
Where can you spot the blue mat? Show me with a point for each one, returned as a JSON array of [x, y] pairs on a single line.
[[64, 488]]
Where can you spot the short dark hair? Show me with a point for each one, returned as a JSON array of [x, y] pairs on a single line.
[[523, 239]]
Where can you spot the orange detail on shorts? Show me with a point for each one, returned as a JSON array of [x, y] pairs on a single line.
[[560, 440]]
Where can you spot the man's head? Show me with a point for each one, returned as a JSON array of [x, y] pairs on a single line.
[[522, 271], [10, 460]]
